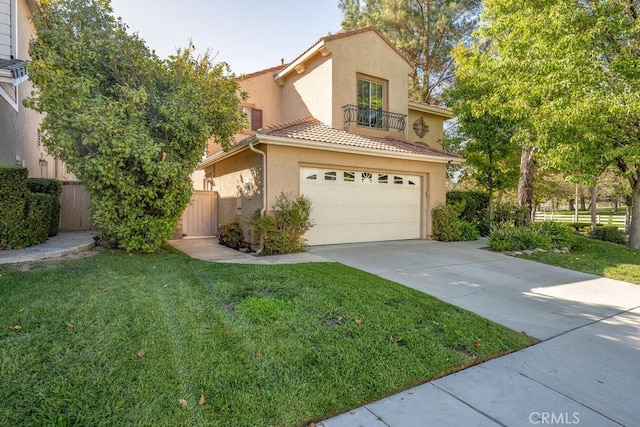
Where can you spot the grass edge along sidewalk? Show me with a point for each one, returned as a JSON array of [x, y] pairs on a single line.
[[166, 340], [592, 256]]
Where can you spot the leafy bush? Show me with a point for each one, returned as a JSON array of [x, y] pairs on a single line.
[[447, 225], [506, 238], [583, 227], [510, 213], [29, 208], [52, 187], [132, 129], [36, 224], [231, 235], [560, 235], [608, 234], [281, 232], [13, 203], [476, 208]]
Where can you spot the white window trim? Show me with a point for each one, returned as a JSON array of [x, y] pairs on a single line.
[[10, 99]]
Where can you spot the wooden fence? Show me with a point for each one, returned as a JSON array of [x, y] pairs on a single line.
[[618, 220], [74, 207]]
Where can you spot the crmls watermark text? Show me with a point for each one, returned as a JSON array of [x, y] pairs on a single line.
[[554, 418]]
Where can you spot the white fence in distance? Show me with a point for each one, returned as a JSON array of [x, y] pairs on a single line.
[[618, 220]]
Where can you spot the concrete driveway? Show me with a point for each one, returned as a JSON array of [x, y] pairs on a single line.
[[585, 371]]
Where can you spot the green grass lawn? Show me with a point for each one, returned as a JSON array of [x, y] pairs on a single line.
[[597, 257], [121, 338]]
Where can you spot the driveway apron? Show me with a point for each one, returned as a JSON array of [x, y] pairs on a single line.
[[584, 372]]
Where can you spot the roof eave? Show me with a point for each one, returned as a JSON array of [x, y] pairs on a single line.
[[240, 146], [442, 112], [311, 52], [304, 143]]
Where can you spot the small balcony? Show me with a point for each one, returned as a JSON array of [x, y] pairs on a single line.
[[374, 118]]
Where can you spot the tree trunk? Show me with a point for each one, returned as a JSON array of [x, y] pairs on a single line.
[[571, 203], [593, 207], [583, 202], [525, 182], [634, 224], [490, 207]]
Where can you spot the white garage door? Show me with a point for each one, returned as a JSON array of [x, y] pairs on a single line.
[[359, 206]]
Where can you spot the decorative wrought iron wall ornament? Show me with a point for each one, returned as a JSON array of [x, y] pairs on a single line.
[[420, 127]]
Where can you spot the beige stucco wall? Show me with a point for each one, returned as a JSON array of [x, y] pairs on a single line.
[[238, 181], [283, 175], [309, 93], [263, 94], [19, 129], [330, 82], [367, 54], [433, 137]]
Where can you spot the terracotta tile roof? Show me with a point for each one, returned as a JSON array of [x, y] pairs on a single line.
[[311, 129], [272, 70]]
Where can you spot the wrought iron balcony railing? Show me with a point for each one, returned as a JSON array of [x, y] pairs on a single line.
[[373, 117]]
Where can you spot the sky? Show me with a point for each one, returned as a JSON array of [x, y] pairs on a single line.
[[250, 35]]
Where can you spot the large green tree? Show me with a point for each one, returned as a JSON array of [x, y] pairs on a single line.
[[131, 126], [567, 70], [486, 137], [424, 30]]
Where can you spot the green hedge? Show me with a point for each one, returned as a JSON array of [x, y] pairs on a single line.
[[475, 210], [52, 187], [231, 235], [29, 208], [447, 225], [36, 222], [608, 234], [13, 205]]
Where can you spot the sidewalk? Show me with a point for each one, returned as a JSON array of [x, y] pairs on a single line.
[[208, 249], [584, 371], [65, 243]]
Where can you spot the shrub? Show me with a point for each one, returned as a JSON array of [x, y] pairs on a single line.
[[447, 225], [13, 204], [476, 208], [231, 235], [510, 213], [52, 187], [583, 227], [560, 235], [608, 234], [506, 238], [36, 223], [281, 232]]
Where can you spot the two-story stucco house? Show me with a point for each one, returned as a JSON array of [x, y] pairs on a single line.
[[19, 141], [336, 125]]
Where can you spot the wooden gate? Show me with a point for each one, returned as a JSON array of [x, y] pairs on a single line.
[[200, 218], [74, 207]]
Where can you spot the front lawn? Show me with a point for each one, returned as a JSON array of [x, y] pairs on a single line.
[[163, 339], [596, 257]]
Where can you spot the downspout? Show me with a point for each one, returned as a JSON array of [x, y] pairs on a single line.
[[263, 211]]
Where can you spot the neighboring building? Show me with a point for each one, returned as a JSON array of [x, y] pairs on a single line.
[[336, 125], [19, 137], [19, 140]]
